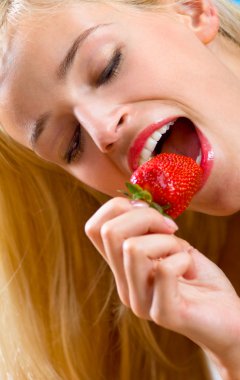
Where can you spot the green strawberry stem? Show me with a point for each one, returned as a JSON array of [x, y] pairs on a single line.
[[136, 192]]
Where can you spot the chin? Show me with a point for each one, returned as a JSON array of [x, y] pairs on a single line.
[[220, 210]]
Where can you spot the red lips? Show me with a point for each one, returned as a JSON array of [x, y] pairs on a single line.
[[138, 144]]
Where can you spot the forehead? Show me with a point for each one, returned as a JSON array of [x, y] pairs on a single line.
[[35, 34], [35, 48]]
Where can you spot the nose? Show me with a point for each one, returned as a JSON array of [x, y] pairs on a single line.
[[102, 123]]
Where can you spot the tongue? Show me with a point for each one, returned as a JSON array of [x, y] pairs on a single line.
[[182, 139]]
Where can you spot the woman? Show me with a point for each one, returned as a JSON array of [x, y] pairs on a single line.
[[81, 82]]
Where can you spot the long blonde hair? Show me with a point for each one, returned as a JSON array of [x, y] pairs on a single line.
[[60, 314]]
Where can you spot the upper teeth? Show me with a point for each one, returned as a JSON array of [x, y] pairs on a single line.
[[151, 143]]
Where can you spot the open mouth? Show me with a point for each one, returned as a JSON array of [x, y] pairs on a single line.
[[179, 136]]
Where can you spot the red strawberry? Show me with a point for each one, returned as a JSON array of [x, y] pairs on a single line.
[[171, 179]]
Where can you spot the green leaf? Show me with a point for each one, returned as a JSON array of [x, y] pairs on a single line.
[[161, 209], [133, 188], [123, 192], [166, 207], [137, 193], [157, 207], [146, 196]]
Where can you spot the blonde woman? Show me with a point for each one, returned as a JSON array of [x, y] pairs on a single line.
[[81, 81]]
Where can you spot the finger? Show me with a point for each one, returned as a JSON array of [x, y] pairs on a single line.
[[167, 302], [135, 222], [138, 254], [138, 270], [120, 206], [109, 237], [160, 245], [108, 211], [206, 270]]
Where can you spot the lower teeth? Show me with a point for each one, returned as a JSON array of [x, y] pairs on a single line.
[[199, 158]]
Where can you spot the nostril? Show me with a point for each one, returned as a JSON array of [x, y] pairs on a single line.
[[121, 121], [109, 146], [114, 132]]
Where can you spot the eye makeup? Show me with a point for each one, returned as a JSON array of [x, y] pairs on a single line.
[[111, 70], [75, 146]]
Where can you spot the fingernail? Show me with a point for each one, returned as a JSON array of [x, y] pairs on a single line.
[[139, 204], [170, 223]]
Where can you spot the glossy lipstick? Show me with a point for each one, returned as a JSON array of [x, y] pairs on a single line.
[[138, 144], [207, 153], [207, 160]]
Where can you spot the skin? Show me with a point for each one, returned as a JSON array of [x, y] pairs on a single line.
[[159, 276]]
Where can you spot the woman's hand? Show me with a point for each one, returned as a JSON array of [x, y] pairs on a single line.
[[163, 279]]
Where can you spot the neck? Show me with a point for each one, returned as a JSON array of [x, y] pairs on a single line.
[[229, 257], [228, 52]]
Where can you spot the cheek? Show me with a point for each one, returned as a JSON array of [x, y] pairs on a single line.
[[98, 171], [164, 77], [172, 57]]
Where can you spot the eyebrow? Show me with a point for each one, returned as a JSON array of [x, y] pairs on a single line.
[[67, 62], [38, 128]]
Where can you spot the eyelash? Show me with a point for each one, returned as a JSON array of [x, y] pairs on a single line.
[[75, 146], [111, 70], [106, 76]]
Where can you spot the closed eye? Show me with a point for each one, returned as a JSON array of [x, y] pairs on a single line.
[[75, 146], [111, 70]]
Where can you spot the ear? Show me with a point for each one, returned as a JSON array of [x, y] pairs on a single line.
[[201, 17]]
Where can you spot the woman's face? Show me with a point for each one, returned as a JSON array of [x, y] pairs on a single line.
[[85, 88]]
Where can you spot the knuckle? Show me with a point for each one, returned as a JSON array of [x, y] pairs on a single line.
[[124, 299], [156, 315], [90, 228], [138, 311], [123, 295], [120, 204], [111, 232], [168, 314], [116, 205], [129, 251], [106, 230], [161, 316], [129, 247], [186, 257], [183, 244], [177, 244], [164, 269]]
